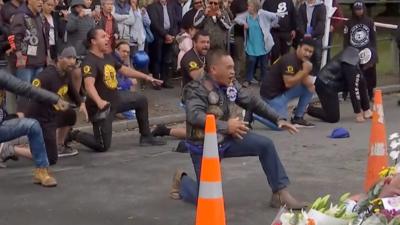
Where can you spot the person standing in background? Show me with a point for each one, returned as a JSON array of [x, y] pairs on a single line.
[[164, 27], [51, 23], [108, 23], [8, 10], [184, 40], [360, 32], [196, 5], [311, 24], [285, 33], [31, 43], [258, 39], [80, 21], [335, 25], [215, 20], [239, 55]]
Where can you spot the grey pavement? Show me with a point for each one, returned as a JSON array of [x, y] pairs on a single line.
[[130, 184]]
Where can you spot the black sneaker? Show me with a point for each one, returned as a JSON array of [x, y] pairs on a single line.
[[71, 136], [66, 151], [150, 141], [160, 131], [300, 122], [181, 148]]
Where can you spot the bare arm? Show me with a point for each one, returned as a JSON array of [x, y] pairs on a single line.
[[132, 73], [92, 92], [291, 81], [129, 72]]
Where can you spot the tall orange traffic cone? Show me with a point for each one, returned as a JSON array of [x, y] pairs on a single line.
[[210, 205], [377, 155]]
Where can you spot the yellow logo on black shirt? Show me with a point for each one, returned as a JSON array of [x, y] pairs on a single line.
[[62, 92], [290, 69], [36, 82], [87, 70], [110, 77], [193, 65]]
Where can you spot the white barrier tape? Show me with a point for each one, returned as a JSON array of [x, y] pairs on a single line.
[[378, 24]]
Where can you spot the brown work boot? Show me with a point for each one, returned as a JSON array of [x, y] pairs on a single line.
[[41, 176], [176, 184], [284, 198]]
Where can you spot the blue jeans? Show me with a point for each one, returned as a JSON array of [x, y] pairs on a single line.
[[251, 145], [15, 128], [28, 74], [252, 65], [280, 103]]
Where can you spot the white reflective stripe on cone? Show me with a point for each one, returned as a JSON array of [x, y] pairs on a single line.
[[210, 190], [210, 141]]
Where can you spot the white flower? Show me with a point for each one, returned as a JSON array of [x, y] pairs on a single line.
[[394, 154], [394, 144], [394, 135]]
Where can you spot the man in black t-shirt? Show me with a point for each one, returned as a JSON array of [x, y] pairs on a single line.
[[288, 79], [286, 32], [99, 71], [192, 68], [56, 79], [193, 62]]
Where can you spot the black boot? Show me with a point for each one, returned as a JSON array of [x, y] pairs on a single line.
[[150, 141]]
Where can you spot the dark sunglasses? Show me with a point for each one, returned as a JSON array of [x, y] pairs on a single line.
[[213, 3], [198, 3]]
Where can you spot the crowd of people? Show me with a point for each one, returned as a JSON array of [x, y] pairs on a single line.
[[63, 56]]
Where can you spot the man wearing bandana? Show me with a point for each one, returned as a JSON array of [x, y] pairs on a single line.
[[216, 93]]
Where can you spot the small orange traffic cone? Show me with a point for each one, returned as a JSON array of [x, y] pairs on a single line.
[[377, 155], [210, 203]]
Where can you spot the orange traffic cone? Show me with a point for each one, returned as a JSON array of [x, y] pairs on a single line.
[[210, 205], [377, 156]]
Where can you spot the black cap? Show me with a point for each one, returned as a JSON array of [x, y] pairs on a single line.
[[357, 5]]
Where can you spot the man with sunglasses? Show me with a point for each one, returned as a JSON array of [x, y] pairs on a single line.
[[215, 20], [56, 79]]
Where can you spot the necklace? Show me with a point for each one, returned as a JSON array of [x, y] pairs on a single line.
[[202, 59]]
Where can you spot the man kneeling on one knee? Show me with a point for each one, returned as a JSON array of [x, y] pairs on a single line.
[[216, 93], [289, 79]]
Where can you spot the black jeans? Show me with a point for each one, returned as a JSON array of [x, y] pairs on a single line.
[[49, 128], [317, 57], [355, 84], [370, 77], [282, 44], [100, 141], [251, 145], [330, 111], [160, 59]]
